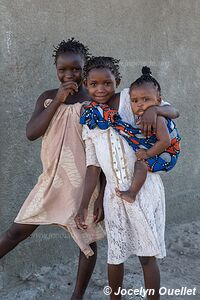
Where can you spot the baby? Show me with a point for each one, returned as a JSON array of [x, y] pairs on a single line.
[[160, 151]]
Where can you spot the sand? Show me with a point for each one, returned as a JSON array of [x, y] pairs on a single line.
[[181, 268]]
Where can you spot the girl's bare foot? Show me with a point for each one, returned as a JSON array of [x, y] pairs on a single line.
[[128, 196]]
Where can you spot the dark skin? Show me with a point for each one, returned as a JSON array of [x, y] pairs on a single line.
[[101, 86], [69, 70]]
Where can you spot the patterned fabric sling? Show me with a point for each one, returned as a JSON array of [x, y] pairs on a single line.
[[104, 117]]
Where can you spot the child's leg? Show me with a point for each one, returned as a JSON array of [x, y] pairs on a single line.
[[14, 235], [139, 177], [85, 270], [151, 276], [115, 279]]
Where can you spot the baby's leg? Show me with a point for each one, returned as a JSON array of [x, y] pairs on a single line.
[[14, 235], [139, 177], [115, 279], [151, 276]]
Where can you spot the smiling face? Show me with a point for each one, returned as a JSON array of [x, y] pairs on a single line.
[[144, 96], [69, 67], [100, 84]]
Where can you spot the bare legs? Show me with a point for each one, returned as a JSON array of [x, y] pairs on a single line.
[[151, 277], [115, 279], [13, 236], [85, 270], [139, 177]]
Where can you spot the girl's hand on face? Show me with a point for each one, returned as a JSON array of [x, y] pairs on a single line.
[[148, 121], [98, 210], [141, 154], [66, 89], [80, 218]]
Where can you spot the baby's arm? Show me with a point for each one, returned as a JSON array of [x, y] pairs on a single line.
[[163, 142], [91, 179], [148, 121]]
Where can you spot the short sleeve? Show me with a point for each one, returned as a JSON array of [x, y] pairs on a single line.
[[91, 158]]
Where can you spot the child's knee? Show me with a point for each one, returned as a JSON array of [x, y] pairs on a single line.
[[146, 260]]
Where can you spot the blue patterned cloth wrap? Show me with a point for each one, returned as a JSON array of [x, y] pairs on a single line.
[[103, 117]]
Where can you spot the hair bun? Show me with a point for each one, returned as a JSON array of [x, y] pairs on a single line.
[[146, 71]]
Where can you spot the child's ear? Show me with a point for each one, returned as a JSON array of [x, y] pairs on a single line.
[[118, 82]]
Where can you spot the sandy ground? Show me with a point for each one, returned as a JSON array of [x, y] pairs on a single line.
[[181, 268]]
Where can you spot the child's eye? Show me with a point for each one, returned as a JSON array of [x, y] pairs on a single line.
[[107, 83], [76, 69], [146, 99], [134, 100], [93, 84]]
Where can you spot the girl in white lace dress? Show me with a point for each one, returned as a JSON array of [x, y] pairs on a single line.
[[132, 228]]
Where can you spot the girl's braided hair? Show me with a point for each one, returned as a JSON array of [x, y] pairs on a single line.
[[145, 78], [71, 45], [103, 62]]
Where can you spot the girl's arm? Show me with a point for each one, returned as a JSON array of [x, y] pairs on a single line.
[[91, 179], [98, 205], [149, 118], [163, 142], [41, 117]]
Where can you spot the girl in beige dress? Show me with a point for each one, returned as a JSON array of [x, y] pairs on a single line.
[[56, 197]]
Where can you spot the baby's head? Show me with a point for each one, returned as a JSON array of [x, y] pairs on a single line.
[[69, 58], [144, 92], [101, 77]]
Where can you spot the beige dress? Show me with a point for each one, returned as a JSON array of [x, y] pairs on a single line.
[[56, 197]]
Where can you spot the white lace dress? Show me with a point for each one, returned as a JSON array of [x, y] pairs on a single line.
[[136, 228]]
